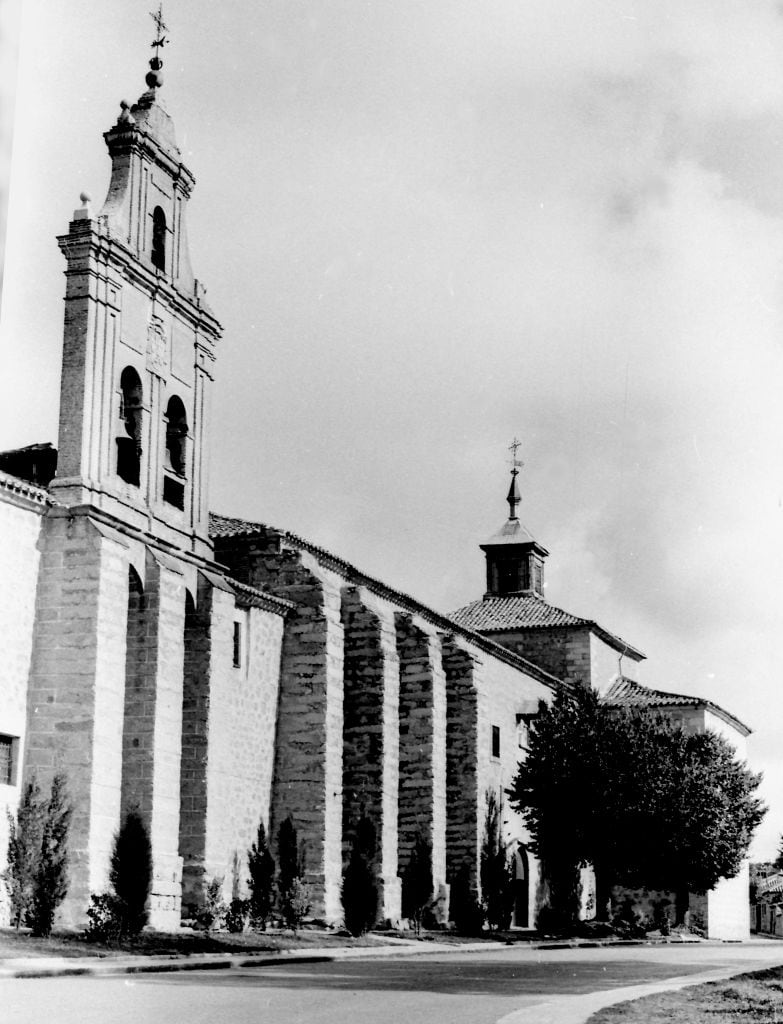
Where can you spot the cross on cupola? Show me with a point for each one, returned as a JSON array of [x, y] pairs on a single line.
[[515, 560]]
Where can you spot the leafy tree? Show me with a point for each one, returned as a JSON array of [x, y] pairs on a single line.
[[778, 861], [25, 832], [497, 879], [261, 868], [360, 888], [713, 812], [636, 797], [130, 872], [417, 882], [50, 883], [553, 789]]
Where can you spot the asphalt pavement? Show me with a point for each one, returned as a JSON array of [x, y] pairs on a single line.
[[515, 985]]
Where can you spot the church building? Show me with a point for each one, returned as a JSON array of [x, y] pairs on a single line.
[[215, 672]]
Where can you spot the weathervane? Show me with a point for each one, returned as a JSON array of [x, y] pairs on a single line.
[[513, 497], [516, 464], [154, 78], [161, 26]]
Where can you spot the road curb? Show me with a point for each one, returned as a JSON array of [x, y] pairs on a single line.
[[44, 967]]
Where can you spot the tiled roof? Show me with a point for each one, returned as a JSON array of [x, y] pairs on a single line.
[[628, 694], [512, 612], [255, 598], [228, 527], [498, 614]]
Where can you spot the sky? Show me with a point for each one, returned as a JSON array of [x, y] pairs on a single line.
[[430, 228]]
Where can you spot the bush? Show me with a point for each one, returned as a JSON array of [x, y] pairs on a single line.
[[213, 908], [497, 878], [131, 872], [360, 888], [237, 915], [293, 891], [25, 832], [261, 868], [467, 912], [50, 879], [105, 915], [417, 882], [296, 903]]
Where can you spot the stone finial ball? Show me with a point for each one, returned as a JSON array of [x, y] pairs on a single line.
[[85, 197], [154, 79]]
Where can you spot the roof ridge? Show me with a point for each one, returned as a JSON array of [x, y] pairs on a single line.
[[438, 619]]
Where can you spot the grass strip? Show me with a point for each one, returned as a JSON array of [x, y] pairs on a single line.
[[755, 998]]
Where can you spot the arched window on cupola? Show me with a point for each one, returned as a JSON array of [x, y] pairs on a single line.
[[158, 238], [131, 411], [174, 468]]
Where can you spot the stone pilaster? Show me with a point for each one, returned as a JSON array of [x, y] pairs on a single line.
[[76, 692], [371, 735], [463, 816], [151, 748], [422, 788], [308, 776], [195, 740]]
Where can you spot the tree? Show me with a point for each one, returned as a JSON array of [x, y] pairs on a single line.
[[417, 883], [778, 861], [360, 888], [497, 879], [553, 789], [636, 797], [713, 813], [293, 891], [25, 832], [130, 872], [50, 884], [261, 868]]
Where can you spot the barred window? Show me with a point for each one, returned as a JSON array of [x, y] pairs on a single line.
[[6, 761], [237, 645]]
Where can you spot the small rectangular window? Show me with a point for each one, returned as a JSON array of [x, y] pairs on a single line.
[[7, 760], [496, 741], [237, 645]]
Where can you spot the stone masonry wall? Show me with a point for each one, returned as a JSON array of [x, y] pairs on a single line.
[[76, 693], [503, 693], [242, 731], [565, 653], [20, 527]]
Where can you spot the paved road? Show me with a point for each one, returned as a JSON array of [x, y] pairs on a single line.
[[456, 989]]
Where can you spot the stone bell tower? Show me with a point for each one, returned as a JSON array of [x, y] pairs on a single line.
[[125, 541], [139, 343]]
